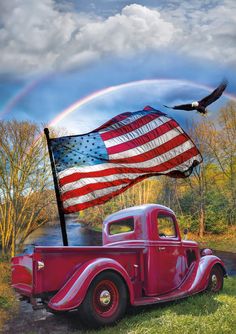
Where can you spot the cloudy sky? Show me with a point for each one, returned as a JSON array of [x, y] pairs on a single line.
[[55, 53]]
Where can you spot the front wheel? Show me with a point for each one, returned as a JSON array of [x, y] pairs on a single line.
[[216, 280], [105, 302]]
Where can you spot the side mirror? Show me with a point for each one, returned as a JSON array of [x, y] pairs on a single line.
[[185, 234]]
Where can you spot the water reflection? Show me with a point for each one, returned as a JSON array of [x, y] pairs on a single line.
[[78, 235], [229, 260]]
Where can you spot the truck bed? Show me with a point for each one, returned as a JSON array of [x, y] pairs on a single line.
[[47, 269]]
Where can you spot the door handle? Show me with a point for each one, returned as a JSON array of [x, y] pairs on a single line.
[[161, 249]]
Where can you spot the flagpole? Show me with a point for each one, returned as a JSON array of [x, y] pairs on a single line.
[[56, 187]]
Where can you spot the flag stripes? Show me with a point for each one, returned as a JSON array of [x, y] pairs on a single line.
[[148, 143], [146, 137], [122, 183], [75, 204], [156, 165], [137, 132], [132, 147], [75, 188], [129, 126], [85, 182]]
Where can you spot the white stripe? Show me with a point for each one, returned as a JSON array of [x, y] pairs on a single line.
[[132, 152], [146, 164], [91, 196], [154, 124], [148, 146], [100, 193], [126, 121], [87, 181]]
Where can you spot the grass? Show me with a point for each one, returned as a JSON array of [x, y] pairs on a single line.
[[8, 302], [201, 314]]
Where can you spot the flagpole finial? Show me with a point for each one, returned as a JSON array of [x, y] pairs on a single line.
[[46, 131]]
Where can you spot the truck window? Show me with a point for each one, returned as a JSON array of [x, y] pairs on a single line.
[[122, 226], [166, 226]]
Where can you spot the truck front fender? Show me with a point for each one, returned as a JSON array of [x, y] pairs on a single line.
[[199, 277], [71, 295]]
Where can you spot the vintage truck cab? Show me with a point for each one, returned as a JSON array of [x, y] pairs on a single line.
[[143, 260]]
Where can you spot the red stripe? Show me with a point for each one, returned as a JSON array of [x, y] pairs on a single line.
[[113, 121], [136, 124], [107, 197], [175, 161], [145, 138], [92, 187], [100, 200], [148, 108], [157, 151]]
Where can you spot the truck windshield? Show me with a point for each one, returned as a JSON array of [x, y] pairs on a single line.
[[122, 226]]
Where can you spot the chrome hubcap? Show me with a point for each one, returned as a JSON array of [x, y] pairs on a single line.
[[214, 281], [105, 297]]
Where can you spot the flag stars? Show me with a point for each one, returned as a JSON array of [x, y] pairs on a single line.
[[78, 151]]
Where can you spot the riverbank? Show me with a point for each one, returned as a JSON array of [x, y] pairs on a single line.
[[222, 242], [8, 302]]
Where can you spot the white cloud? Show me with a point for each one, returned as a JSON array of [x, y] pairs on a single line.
[[208, 29], [39, 36]]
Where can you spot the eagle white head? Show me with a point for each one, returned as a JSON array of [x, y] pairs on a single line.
[[195, 104]]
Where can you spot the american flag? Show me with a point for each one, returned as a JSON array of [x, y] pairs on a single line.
[[94, 167]]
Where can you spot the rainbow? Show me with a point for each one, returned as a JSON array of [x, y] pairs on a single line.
[[11, 103], [81, 102], [93, 96]]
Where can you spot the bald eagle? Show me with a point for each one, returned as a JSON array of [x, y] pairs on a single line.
[[201, 105]]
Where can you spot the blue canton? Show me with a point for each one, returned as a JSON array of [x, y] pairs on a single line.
[[83, 150]]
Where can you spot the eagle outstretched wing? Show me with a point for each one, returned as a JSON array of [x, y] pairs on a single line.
[[215, 95], [201, 105]]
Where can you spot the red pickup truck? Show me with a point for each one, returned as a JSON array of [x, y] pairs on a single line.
[[142, 261]]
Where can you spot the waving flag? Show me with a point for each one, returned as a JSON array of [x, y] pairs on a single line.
[[94, 167]]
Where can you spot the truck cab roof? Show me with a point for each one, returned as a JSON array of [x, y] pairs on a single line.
[[133, 225], [136, 211]]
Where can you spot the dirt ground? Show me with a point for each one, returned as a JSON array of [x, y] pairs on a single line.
[[28, 321]]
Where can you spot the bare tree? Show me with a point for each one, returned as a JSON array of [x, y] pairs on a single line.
[[24, 181], [220, 146]]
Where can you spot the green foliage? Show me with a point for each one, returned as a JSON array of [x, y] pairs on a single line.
[[4, 303], [216, 212]]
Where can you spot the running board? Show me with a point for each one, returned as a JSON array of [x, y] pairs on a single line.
[[195, 282], [161, 299]]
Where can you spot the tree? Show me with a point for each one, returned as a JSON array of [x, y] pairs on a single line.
[[220, 143], [25, 201], [202, 178], [227, 158]]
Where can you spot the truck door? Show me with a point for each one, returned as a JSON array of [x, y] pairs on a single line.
[[168, 264]]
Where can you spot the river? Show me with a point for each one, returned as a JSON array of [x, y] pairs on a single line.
[[80, 235]]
